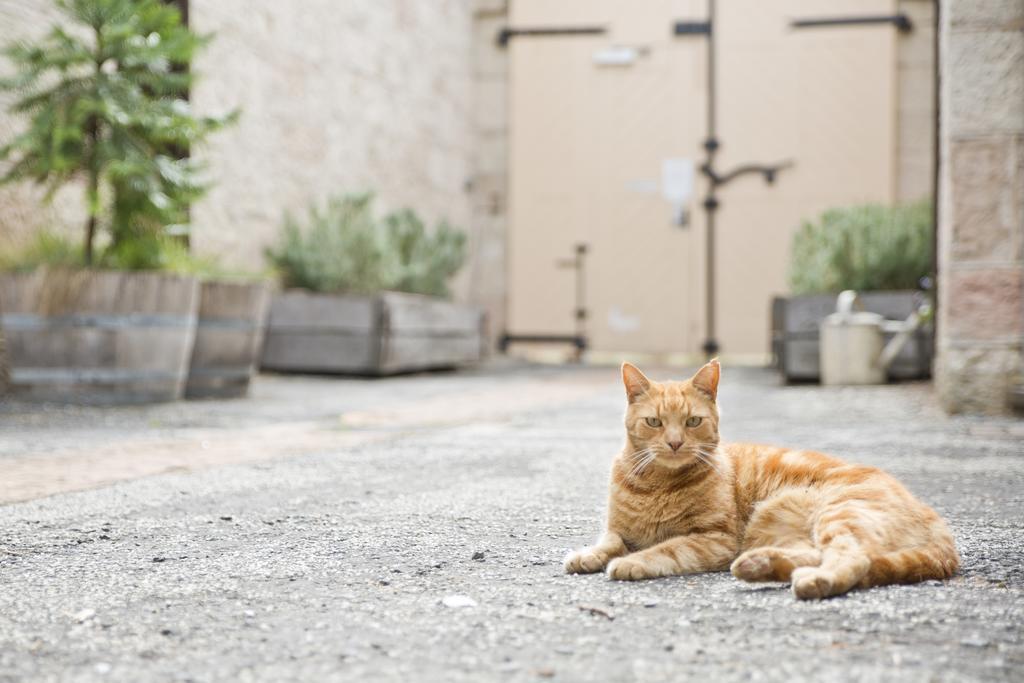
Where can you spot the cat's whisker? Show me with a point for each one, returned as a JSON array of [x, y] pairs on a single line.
[[648, 456], [640, 465], [640, 454], [638, 459], [708, 459], [711, 465]]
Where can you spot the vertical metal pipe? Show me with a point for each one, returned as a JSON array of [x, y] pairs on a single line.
[[710, 346], [936, 154], [581, 299], [711, 69]]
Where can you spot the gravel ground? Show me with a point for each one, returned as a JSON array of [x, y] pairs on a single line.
[[433, 553]]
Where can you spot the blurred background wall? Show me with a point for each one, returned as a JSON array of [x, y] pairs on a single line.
[[540, 144], [335, 97], [534, 146]]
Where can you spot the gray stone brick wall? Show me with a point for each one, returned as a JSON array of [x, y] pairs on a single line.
[[981, 212], [487, 272]]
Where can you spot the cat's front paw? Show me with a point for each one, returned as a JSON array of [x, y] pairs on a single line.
[[629, 569], [812, 583], [585, 561]]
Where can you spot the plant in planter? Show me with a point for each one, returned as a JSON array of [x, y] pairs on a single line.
[[106, 106], [885, 253], [366, 294]]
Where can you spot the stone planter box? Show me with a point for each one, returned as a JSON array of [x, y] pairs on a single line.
[[380, 334], [98, 336], [794, 339], [229, 338]]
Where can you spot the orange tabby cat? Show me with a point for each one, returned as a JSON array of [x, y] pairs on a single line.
[[680, 503]]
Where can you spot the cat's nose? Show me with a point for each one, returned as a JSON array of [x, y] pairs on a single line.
[[675, 445]]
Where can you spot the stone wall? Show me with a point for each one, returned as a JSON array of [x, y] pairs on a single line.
[[981, 221], [487, 273], [23, 210], [339, 97]]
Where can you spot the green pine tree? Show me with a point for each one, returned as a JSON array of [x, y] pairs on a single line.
[[107, 102]]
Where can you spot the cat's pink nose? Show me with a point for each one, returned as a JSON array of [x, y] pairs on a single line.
[[675, 445]]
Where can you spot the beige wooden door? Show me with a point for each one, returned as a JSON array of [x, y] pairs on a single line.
[[587, 143]]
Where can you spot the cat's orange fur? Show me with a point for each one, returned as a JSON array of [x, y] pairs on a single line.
[[680, 502]]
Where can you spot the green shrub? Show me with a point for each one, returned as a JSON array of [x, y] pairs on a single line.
[[52, 250], [47, 249], [345, 248], [869, 247], [338, 251], [416, 261]]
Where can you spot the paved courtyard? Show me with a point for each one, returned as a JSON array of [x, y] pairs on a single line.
[[413, 528]]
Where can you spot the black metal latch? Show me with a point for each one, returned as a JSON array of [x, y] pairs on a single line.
[[900, 21], [692, 28], [506, 34]]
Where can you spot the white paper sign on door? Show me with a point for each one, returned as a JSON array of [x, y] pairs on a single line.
[[677, 181]]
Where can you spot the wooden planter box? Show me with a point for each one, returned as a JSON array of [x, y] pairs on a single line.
[[4, 372], [229, 338], [794, 338], [98, 336], [381, 334]]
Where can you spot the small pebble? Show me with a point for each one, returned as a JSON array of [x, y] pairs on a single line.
[[974, 641], [84, 615], [458, 601]]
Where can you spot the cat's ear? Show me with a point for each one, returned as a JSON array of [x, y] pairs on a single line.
[[706, 379], [635, 381]]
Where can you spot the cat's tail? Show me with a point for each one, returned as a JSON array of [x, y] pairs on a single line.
[[938, 560]]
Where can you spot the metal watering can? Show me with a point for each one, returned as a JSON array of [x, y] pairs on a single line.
[[853, 348]]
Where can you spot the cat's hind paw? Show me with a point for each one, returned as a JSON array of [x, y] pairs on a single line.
[[753, 566], [584, 561]]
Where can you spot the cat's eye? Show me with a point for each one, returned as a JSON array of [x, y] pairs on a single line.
[[653, 422], [694, 421]]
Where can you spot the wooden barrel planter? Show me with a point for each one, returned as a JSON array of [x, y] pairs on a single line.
[[381, 334], [102, 337], [229, 337], [4, 374]]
